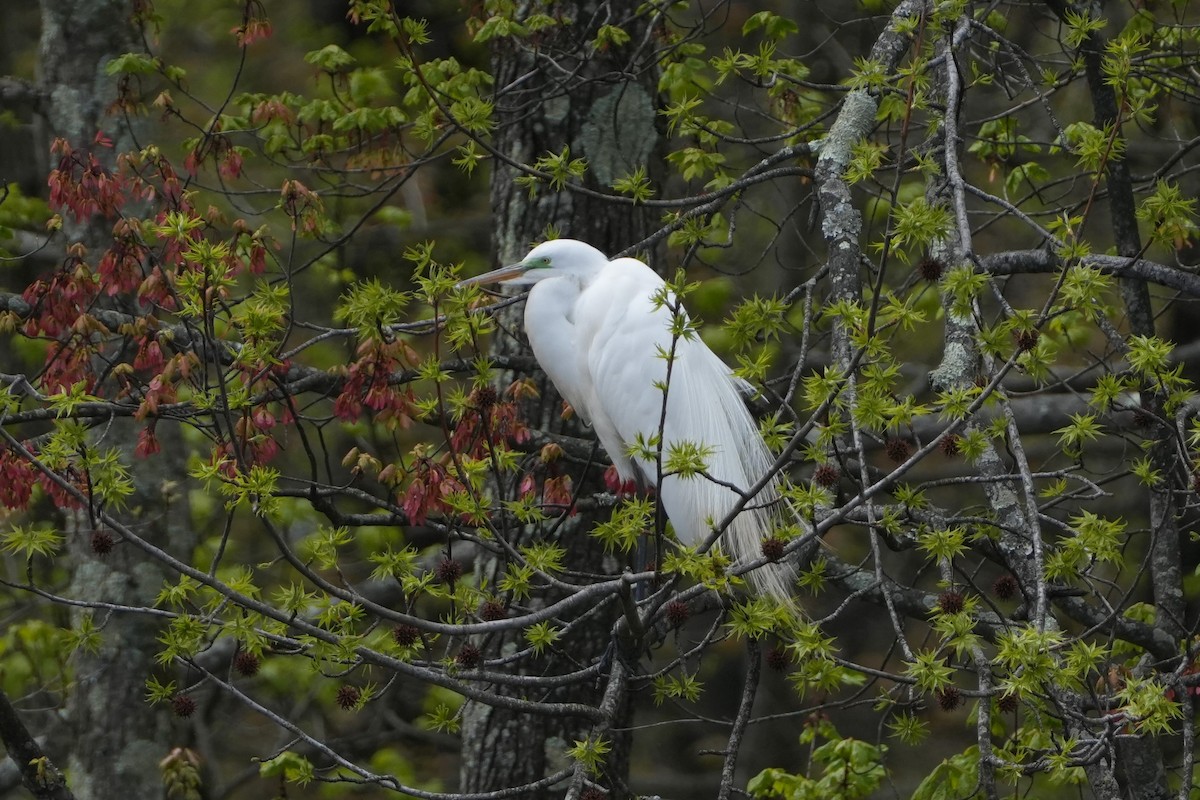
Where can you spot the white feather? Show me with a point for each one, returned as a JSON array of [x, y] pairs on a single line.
[[597, 332]]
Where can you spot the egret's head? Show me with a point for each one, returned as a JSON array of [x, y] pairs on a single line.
[[549, 259]]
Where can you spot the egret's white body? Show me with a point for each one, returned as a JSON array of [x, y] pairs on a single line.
[[596, 329]]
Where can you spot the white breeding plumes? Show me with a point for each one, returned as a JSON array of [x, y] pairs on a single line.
[[599, 329]]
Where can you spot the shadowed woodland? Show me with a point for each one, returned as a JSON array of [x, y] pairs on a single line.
[[289, 512]]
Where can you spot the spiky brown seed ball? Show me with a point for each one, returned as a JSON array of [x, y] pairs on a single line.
[[772, 548], [826, 475], [1196, 483], [1005, 587], [949, 698], [930, 268], [469, 656], [593, 793], [492, 609], [1143, 418], [102, 542], [485, 397], [348, 696], [677, 613], [247, 663], [183, 705], [1027, 340], [405, 635], [778, 659], [897, 449], [1008, 703], [448, 570], [951, 445], [951, 602]]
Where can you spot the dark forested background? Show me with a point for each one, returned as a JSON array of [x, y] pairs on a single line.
[[287, 513]]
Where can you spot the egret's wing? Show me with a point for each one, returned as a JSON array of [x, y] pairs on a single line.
[[618, 332], [550, 324], [623, 336]]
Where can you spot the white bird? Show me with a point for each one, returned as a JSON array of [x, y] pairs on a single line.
[[599, 329]]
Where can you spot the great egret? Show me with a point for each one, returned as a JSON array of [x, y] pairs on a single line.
[[601, 329]]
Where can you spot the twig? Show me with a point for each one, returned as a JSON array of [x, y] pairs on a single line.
[[749, 690]]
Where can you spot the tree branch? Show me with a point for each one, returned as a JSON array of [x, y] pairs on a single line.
[[18, 93], [749, 691], [1012, 262], [38, 774]]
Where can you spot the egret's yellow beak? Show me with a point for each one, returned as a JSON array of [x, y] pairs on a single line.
[[497, 275]]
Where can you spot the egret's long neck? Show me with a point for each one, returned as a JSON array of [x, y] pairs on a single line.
[[550, 326], [553, 297]]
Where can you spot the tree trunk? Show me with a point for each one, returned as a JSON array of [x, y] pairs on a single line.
[[114, 740], [612, 124]]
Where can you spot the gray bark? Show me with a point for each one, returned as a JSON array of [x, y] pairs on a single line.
[[606, 114], [115, 739], [38, 774], [1140, 768]]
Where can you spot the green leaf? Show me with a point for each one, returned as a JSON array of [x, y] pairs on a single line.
[[1030, 172], [66, 403], [84, 635], [930, 672], [1171, 216], [157, 692], [678, 687], [611, 36], [132, 64], [1148, 707], [772, 25], [292, 767], [636, 185], [849, 769], [590, 752], [544, 557], [561, 167], [444, 718], [1083, 428], [370, 306], [541, 636], [330, 58], [917, 224], [626, 525], [31, 540], [955, 778], [500, 27], [908, 729]]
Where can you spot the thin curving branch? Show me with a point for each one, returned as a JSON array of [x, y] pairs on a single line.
[[1014, 262], [38, 773]]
